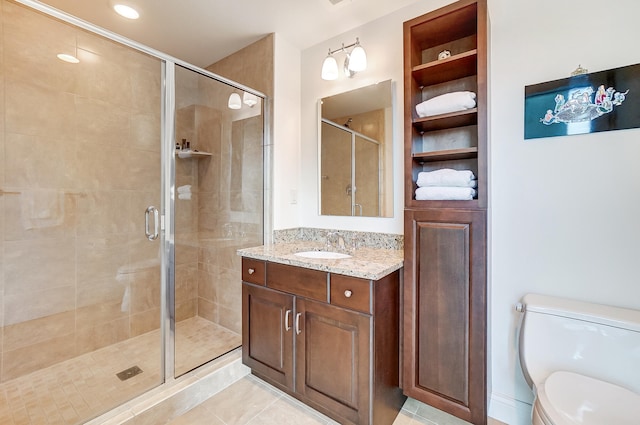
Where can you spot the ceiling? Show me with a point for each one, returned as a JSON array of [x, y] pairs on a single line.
[[203, 31]]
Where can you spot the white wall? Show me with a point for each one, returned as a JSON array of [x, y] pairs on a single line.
[[382, 40], [286, 135], [563, 210]]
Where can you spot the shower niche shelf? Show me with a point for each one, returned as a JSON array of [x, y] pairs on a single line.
[[192, 154]]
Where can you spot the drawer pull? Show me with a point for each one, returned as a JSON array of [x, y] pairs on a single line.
[[298, 323], [348, 293], [287, 315], [252, 271]]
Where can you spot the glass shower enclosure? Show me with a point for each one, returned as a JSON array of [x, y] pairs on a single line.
[[118, 250]]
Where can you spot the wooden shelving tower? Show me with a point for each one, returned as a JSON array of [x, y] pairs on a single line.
[[445, 304]]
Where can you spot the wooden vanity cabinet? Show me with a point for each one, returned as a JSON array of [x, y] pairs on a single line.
[[332, 341]]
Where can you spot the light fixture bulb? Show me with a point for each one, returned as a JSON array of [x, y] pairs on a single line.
[[126, 11], [67, 58], [357, 59], [234, 101], [329, 68], [249, 99]]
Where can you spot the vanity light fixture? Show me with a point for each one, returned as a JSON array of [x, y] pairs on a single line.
[[126, 11], [355, 61], [234, 101]]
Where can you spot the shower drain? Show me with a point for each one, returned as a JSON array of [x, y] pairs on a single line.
[[129, 373]]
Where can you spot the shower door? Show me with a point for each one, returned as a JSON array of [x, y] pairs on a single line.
[[350, 172], [80, 163], [218, 209]]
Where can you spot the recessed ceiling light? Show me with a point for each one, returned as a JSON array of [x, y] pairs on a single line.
[[126, 11], [68, 58]]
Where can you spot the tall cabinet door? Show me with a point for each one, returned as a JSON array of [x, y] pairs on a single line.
[[267, 333], [445, 310], [333, 359]]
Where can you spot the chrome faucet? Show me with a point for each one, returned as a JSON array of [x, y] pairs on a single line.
[[335, 241]]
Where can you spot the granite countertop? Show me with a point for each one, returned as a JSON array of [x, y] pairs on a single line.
[[366, 263]]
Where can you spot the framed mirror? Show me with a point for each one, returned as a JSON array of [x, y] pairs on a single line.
[[355, 152]]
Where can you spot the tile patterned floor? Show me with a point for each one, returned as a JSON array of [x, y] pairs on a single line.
[[76, 390], [250, 401]]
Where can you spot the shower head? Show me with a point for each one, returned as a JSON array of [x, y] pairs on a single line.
[[346, 124]]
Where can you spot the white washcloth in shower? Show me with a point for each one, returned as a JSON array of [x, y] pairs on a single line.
[[447, 177], [437, 193], [42, 208], [184, 189], [445, 103], [184, 196]]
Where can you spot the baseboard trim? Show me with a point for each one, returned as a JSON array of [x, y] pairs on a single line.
[[509, 410]]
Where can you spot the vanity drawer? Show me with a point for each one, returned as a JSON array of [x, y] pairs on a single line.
[[253, 271], [351, 292], [298, 281]]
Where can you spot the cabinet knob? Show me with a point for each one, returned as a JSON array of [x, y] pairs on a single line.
[[252, 271], [348, 293]]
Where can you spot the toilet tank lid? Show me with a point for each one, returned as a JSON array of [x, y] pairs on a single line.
[[598, 313]]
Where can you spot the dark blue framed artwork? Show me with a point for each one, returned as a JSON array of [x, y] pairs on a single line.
[[587, 103]]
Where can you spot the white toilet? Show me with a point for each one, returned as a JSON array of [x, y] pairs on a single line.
[[581, 360]]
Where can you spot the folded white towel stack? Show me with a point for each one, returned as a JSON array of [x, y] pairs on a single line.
[[184, 189], [446, 184], [447, 177], [452, 193], [445, 103]]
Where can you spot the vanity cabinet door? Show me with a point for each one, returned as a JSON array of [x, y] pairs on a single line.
[[333, 359], [267, 333]]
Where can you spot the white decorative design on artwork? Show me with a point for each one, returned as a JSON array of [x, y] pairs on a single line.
[[580, 107]]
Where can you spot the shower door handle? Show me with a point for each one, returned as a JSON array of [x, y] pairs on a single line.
[[151, 236]]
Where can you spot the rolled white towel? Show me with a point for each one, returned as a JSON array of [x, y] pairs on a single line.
[[437, 193], [447, 177], [445, 103], [185, 196]]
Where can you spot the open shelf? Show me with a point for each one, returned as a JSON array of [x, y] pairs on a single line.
[[452, 68], [444, 121], [446, 155], [191, 154]]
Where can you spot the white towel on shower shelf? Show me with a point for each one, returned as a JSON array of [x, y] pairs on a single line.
[[445, 103], [437, 193], [184, 189], [184, 196], [447, 177]]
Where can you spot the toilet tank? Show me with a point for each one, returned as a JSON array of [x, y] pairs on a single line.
[[591, 339]]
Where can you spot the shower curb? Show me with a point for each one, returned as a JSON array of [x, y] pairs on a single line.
[[162, 404]]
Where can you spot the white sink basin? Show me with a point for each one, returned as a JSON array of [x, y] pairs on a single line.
[[327, 255]]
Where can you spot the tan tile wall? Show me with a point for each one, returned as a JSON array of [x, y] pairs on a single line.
[[79, 164], [233, 212]]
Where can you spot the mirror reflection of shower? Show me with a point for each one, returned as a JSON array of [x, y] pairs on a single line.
[[366, 111], [350, 171]]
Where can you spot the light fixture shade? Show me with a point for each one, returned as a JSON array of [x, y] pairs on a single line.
[[68, 58], [234, 101], [249, 99], [126, 11], [358, 59], [329, 68]]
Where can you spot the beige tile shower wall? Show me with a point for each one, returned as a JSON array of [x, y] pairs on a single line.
[[235, 215], [186, 226], [79, 164]]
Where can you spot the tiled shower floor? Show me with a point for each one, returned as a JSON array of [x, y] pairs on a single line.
[[79, 389]]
